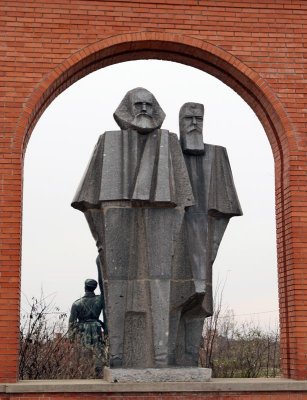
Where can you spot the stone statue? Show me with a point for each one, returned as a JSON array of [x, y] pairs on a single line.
[[84, 323], [157, 212], [133, 194], [205, 222]]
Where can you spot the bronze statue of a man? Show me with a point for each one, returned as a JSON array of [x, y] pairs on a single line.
[[133, 194], [85, 327], [84, 319], [204, 225]]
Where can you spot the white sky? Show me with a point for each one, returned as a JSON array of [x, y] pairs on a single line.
[[58, 250]]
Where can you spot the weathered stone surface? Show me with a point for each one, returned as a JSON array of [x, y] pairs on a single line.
[[122, 375], [137, 270], [146, 170]]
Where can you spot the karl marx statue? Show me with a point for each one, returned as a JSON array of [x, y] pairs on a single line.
[[134, 194], [204, 225]]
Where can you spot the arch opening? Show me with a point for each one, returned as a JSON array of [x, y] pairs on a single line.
[[190, 52], [220, 128]]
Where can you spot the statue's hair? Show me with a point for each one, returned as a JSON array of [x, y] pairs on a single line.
[[189, 106]]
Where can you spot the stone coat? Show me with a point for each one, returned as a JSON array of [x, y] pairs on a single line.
[[146, 169], [133, 194]]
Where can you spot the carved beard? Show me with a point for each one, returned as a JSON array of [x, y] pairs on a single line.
[[192, 142], [195, 130], [143, 123]]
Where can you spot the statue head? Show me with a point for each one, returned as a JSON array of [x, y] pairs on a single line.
[[139, 110], [90, 285], [191, 117]]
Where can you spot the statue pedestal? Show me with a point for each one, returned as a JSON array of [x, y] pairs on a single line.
[[176, 374]]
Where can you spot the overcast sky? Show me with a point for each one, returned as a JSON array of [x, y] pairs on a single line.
[[58, 250]]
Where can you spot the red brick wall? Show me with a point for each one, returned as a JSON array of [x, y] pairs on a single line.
[[256, 47], [156, 396]]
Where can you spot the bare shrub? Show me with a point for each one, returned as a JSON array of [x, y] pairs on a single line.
[[45, 349], [236, 350], [231, 349]]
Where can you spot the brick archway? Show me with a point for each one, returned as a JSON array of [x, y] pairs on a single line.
[[248, 84], [183, 49], [253, 89]]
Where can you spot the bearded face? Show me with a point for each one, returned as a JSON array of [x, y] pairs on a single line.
[[142, 107], [139, 110], [191, 119]]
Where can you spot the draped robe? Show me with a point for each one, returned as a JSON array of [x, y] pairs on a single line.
[[133, 194], [216, 201], [157, 243]]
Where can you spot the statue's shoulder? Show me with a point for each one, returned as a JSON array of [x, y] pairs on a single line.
[[108, 133], [110, 138], [216, 149], [214, 146], [174, 141], [77, 302], [98, 298], [173, 136], [107, 138]]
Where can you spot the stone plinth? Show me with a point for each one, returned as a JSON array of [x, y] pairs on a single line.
[[123, 375]]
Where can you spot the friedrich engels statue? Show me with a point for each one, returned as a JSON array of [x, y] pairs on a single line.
[[202, 230]]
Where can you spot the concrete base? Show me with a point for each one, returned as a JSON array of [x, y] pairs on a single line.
[[123, 375], [233, 388]]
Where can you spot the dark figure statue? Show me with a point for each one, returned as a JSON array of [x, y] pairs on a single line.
[[133, 194], [84, 323], [204, 226]]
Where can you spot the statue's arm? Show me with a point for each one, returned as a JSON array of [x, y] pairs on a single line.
[[72, 322], [223, 199], [73, 314]]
